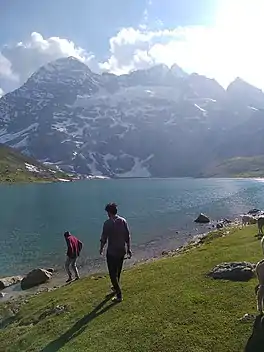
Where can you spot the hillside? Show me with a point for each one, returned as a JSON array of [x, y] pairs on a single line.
[[237, 167], [159, 122], [15, 167], [169, 305]]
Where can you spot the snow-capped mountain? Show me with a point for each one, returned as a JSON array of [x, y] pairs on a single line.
[[157, 122]]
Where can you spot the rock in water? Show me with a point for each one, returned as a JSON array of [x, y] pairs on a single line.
[[35, 277], [9, 281], [254, 211], [202, 219], [235, 271]]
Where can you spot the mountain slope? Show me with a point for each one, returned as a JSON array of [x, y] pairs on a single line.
[[237, 167], [158, 122], [15, 167]]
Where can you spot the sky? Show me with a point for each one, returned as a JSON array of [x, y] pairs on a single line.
[[222, 39]]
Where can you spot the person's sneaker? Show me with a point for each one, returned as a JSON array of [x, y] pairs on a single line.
[[117, 299], [69, 280], [77, 278]]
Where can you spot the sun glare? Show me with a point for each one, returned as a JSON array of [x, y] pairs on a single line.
[[241, 16], [239, 30]]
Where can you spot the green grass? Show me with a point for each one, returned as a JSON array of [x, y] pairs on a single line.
[[238, 167], [13, 168], [169, 305]]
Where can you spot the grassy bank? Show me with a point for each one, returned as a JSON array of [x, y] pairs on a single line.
[[169, 305], [18, 168]]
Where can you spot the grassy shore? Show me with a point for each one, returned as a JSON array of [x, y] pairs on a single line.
[[18, 168], [169, 305]]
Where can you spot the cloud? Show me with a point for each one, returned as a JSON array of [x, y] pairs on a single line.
[[1, 92], [224, 51], [213, 51], [18, 62]]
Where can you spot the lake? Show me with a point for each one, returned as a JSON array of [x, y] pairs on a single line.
[[160, 213]]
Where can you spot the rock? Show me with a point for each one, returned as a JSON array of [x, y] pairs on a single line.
[[235, 271], [164, 253], [247, 318], [2, 294], [50, 270], [9, 281], [219, 225], [202, 219], [34, 278], [254, 211]]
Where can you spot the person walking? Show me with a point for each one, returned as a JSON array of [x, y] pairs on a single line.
[[117, 236], [74, 247]]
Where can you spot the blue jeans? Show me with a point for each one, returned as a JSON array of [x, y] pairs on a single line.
[[115, 264], [71, 263]]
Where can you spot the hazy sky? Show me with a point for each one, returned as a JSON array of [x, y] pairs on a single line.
[[222, 39]]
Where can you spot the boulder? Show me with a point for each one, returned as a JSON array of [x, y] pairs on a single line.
[[51, 270], [9, 281], [220, 225], [254, 211], [202, 219], [165, 253], [35, 277], [235, 271]]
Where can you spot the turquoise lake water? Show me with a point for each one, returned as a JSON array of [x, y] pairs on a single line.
[[34, 217]]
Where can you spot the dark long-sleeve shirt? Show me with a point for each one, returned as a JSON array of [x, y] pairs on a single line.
[[116, 234], [74, 246]]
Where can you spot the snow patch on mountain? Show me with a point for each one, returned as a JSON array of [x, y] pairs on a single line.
[[32, 168], [252, 108], [138, 170], [199, 108]]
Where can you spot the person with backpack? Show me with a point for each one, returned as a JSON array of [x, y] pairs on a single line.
[[74, 247], [116, 234]]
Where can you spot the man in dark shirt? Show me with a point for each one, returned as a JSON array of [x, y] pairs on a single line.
[[74, 247], [116, 234]]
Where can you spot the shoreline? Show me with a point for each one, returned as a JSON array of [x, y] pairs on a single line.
[[98, 268]]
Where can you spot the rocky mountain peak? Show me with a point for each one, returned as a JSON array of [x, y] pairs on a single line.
[[241, 85], [63, 68], [242, 91], [178, 71]]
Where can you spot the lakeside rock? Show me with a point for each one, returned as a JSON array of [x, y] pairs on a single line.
[[51, 270], [254, 211], [9, 281], [35, 278], [219, 225], [234, 271], [202, 219]]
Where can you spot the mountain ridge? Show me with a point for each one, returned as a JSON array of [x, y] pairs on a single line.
[[149, 123]]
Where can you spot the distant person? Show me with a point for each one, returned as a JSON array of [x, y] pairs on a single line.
[[116, 234], [74, 247]]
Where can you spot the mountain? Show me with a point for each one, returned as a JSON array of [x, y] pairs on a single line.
[[15, 167], [236, 167], [158, 122]]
